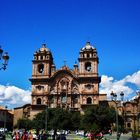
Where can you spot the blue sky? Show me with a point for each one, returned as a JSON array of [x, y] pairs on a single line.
[[112, 26]]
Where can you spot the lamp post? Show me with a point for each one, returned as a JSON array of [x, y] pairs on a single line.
[[5, 118], [114, 98], [5, 59], [46, 110]]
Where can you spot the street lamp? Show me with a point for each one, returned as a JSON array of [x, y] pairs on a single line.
[[5, 58], [46, 110], [114, 98], [5, 119]]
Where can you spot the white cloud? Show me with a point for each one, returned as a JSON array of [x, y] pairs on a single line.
[[134, 79], [127, 85], [14, 96]]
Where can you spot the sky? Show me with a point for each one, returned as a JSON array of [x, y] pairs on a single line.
[[112, 26]]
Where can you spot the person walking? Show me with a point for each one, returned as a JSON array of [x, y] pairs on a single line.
[[62, 137], [17, 136], [25, 136], [30, 136]]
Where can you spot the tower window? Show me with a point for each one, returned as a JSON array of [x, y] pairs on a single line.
[[88, 66], [88, 86], [94, 54], [38, 101], [35, 57], [89, 100], [41, 57], [40, 68], [87, 55], [39, 87]]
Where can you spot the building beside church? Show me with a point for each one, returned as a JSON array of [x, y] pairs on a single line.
[[6, 118], [131, 114]]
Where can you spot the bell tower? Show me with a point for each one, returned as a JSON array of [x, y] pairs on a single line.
[[42, 69], [88, 60], [42, 62], [88, 75]]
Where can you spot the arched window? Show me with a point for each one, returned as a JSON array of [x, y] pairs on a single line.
[[89, 100], [40, 68], [129, 125], [88, 66], [75, 98], [63, 97], [38, 101], [88, 86], [39, 87], [41, 57], [88, 55]]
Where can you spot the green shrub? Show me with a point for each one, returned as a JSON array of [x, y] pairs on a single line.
[[136, 135]]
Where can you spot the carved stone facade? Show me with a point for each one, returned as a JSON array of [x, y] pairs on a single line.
[[67, 88], [131, 114]]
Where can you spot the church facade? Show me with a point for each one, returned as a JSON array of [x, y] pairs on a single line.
[[67, 88]]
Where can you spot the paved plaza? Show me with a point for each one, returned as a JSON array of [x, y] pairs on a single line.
[[113, 137]]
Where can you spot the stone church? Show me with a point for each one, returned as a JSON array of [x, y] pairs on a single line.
[[68, 88], [72, 89]]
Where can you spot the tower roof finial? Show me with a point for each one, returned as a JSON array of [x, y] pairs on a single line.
[[88, 46], [44, 48]]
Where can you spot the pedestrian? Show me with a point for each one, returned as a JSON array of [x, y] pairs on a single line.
[[57, 137], [110, 132], [30, 136], [17, 136], [25, 136], [44, 136], [14, 135], [62, 137]]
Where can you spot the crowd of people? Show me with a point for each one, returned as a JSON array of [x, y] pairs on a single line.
[[29, 135], [34, 135]]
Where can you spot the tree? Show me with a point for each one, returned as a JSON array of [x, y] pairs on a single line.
[[75, 120], [98, 118], [60, 119], [24, 123], [39, 121]]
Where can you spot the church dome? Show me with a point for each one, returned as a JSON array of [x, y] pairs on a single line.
[[43, 48], [43, 53], [88, 46]]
